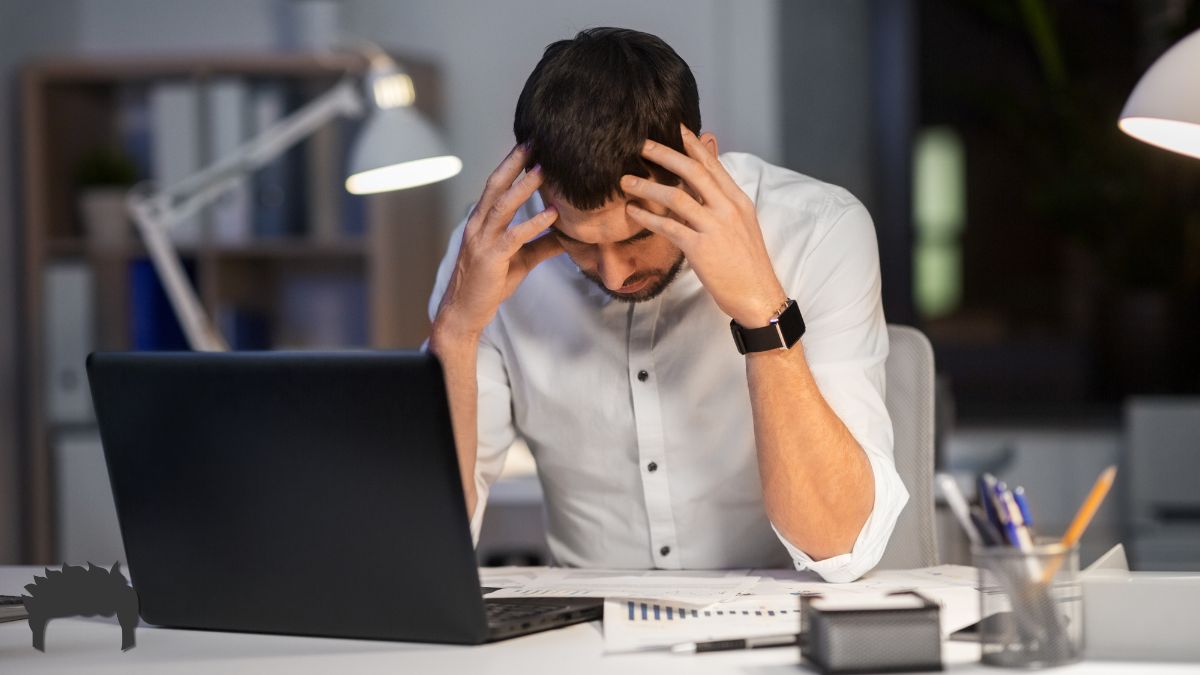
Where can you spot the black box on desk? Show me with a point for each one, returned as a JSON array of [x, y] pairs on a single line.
[[898, 633]]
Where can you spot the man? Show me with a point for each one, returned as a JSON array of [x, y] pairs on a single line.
[[587, 305]]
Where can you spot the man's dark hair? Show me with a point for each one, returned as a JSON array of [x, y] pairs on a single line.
[[591, 102]]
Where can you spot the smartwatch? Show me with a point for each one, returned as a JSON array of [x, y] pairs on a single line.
[[782, 332]]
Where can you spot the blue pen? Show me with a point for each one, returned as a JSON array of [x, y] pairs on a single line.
[[987, 488], [1007, 525], [994, 506], [1026, 515]]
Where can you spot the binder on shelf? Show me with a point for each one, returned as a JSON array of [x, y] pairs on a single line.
[[275, 185], [133, 129], [245, 329], [323, 185], [69, 330], [228, 118], [153, 323], [175, 141]]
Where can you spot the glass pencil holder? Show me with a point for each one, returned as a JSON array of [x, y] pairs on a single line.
[[1030, 604]]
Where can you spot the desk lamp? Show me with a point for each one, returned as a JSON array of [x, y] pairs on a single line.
[[396, 149], [1164, 108]]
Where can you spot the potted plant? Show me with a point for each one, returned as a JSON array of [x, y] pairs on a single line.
[[103, 179]]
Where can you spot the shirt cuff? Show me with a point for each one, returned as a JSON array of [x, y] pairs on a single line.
[[890, 498], [477, 523]]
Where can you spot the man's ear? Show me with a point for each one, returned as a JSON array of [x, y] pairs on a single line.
[[709, 140]]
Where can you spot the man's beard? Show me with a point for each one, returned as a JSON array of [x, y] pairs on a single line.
[[651, 291]]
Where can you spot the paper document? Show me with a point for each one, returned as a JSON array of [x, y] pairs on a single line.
[[771, 606], [953, 587], [508, 577], [633, 625], [691, 588]]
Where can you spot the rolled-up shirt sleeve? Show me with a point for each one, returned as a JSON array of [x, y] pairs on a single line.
[[495, 430], [837, 286]]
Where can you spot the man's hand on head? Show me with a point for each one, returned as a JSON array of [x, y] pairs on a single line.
[[716, 227], [494, 258]]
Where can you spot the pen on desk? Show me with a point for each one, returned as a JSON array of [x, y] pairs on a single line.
[[1023, 504], [740, 643], [1006, 526], [958, 505], [1021, 536], [987, 531], [1023, 539], [987, 497], [984, 489]]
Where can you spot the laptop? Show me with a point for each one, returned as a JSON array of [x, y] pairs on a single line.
[[299, 493]]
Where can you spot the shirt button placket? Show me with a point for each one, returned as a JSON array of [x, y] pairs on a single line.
[[651, 445]]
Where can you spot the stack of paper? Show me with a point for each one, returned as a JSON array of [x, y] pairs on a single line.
[[660, 609], [692, 588]]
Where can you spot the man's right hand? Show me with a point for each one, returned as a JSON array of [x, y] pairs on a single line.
[[495, 258]]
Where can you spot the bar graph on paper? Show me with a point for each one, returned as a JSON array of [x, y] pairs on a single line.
[[631, 625], [648, 611]]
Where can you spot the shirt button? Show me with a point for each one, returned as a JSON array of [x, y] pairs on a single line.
[[643, 376], [652, 467], [664, 551]]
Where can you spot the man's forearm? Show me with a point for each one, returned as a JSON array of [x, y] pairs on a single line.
[[817, 481], [458, 352]]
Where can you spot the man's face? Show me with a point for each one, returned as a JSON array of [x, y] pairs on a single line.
[[630, 263]]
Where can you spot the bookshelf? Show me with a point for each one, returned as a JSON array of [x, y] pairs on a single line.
[[388, 260]]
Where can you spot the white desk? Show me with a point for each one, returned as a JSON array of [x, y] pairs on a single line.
[[93, 646]]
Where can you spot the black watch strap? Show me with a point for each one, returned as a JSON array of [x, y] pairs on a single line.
[[781, 333]]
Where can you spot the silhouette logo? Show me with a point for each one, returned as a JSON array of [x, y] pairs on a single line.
[[76, 591]]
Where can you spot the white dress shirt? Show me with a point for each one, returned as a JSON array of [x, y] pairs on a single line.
[[638, 414]]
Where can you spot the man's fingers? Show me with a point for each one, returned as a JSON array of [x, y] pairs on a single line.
[[502, 178], [697, 151], [539, 250], [672, 198], [679, 234], [505, 207], [525, 232], [687, 168]]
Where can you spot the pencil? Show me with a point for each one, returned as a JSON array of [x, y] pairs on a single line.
[[1083, 517], [1090, 505]]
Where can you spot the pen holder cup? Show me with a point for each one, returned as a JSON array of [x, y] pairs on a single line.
[[1031, 604]]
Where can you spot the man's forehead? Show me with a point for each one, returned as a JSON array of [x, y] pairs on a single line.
[[603, 225]]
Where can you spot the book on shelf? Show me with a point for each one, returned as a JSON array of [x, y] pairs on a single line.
[[175, 129], [229, 125], [69, 330], [153, 326], [278, 184]]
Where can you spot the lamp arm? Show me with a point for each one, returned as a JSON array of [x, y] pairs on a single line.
[[155, 213]]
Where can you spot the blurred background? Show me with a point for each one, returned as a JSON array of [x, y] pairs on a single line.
[[1053, 261]]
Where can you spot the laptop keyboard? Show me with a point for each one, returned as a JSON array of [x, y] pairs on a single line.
[[498, 612]]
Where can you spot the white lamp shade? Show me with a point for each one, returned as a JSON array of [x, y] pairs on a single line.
[[397, 149], [1164, 108]]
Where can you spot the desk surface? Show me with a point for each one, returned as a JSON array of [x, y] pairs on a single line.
[[93, 646]]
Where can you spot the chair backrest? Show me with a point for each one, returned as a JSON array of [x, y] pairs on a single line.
[[909, 401]]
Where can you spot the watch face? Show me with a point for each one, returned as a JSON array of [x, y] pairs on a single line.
[[791, 324], [783, 332]]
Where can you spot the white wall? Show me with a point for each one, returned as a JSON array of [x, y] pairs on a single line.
[[487, 49], [176, 26]]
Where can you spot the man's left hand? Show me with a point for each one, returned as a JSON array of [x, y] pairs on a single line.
[[719, 234]]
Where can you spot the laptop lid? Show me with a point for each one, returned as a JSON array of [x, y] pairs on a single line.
[[303, 493]]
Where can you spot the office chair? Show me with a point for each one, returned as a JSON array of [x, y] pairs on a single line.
[[909, 401]]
